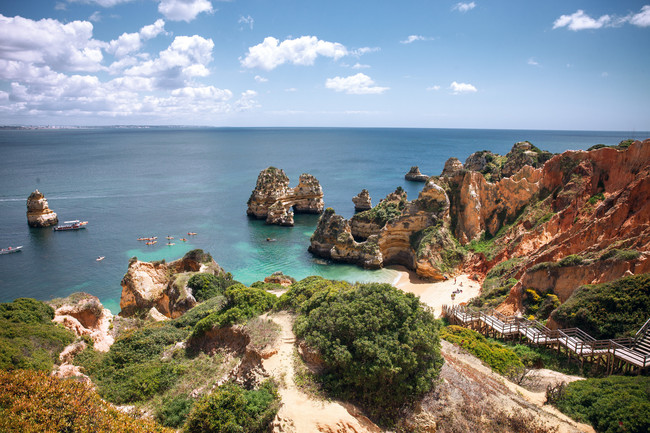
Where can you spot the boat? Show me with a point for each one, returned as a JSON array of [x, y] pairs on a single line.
[[71, 225], [170, 237], [150, 242], [169, 244], [153, 238], [10, 250], [191, 233], [184, 240], [100, 258]]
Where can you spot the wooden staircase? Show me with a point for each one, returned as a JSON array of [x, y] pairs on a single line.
[[615, 355]]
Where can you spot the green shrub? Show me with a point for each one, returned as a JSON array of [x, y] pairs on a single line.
[[501, 359], [612, 404], [608, 310], [379, 345], [36, 402], [205, 285], [596, 198], [571, 260], [191, 317], [174, 411], [304, 289], [232, 409], [28, 338], [539, 305], [198, 255], [620, 255]]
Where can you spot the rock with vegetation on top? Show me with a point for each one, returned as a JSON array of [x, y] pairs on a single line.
[[362, 201], [274, 201], [279, 278], [83, 314], [163, 286], [414, 175], [38, 212]]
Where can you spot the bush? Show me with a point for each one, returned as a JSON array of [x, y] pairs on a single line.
[[609, 310], [232, 409], [174, 411], [304, 289], [36, 402], [198, 256], [205, 285], [28, 338], [611, 404], [379, 345], [620, 255]]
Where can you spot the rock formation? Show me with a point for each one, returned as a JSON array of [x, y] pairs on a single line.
[[528, 204], [279, 278], [274, 201], [83, 314], [38, 212], [163, 286], [414, 175], [362, 201]]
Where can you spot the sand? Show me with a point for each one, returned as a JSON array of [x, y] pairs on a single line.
[[437, 294]]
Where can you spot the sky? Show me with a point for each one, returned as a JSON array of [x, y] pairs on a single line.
[[501, 64]]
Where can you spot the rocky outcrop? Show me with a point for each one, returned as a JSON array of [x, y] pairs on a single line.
[[83, 314], [414, 175], [163, 286], [279, 278], [362, 201], [38, 212], [274, 201], [452, 167]]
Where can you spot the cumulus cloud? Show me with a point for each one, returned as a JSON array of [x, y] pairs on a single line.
[[247, 101], [304, 50], [359, 84], [458, 88], [581, 21], [413, 38], [360, 66], [183, 10], [62, 47], [260, 79], [463, 7], [130, 42]]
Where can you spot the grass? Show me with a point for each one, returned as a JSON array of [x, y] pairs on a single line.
[[263, 332]]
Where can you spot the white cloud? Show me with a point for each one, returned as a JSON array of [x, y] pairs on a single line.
[[260, 79], [300, 51], [581, 21], [249, 21], [130, 42], [360, 66], [359, 84], [183, 10], [63, 47], [458, 88], [247, 101], [533, 62], [434, 88], [104, 3], [463, 7], [413, 38], [642, 19], [364, 50], [95, 17]]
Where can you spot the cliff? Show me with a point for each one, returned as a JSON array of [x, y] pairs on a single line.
[[528, 208], [39, 213], [160, 288], [362, 201], [274, 201], [83, 314]]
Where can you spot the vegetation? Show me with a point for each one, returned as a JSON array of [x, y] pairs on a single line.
[[538, 306], [438, 245], [304, 289], [609, 310], [198, 255], [620, 255], [497, 284], [624, 144], [612, 404], [379, 346], [386, 211], [33, 401], [230, 408], [206, 285], [28, 338]]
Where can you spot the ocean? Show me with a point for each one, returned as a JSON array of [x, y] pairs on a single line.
[[168, 181]]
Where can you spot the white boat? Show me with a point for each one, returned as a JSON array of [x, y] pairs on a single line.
[[10, 250], [71, 225], [100, 258]]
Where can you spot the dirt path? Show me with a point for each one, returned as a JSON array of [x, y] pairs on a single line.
[[299, 412]]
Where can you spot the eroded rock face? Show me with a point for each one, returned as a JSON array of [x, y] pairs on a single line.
[[274, 201], [38, 212], [452, 167], [362, 201], [162, 286], [414, 175], [83, 314], [279, 278]]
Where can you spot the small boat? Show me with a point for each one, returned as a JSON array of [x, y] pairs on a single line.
[[169, 244], [184, 239], [170, 237], [191, 233], [153, 238], [150, 242], [71, 225], [10, 250], [100, 258]]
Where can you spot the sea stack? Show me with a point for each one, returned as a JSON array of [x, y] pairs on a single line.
[[274, 201], [38, 212], [414, 175], [362, 201]]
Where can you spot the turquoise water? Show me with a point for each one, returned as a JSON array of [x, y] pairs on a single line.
[[130, 182]]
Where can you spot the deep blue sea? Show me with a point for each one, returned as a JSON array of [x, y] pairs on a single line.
[[132, 182]]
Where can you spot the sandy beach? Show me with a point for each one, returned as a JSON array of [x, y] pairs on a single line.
[[436, 294]]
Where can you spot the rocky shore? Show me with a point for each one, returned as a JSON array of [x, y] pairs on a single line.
[[39, 213]]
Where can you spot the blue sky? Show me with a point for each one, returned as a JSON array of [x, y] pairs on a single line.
[[514, 64]]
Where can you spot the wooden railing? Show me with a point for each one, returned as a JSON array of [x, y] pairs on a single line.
[[575, 341]]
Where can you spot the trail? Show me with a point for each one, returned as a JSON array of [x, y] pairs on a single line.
[[300, 412]]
